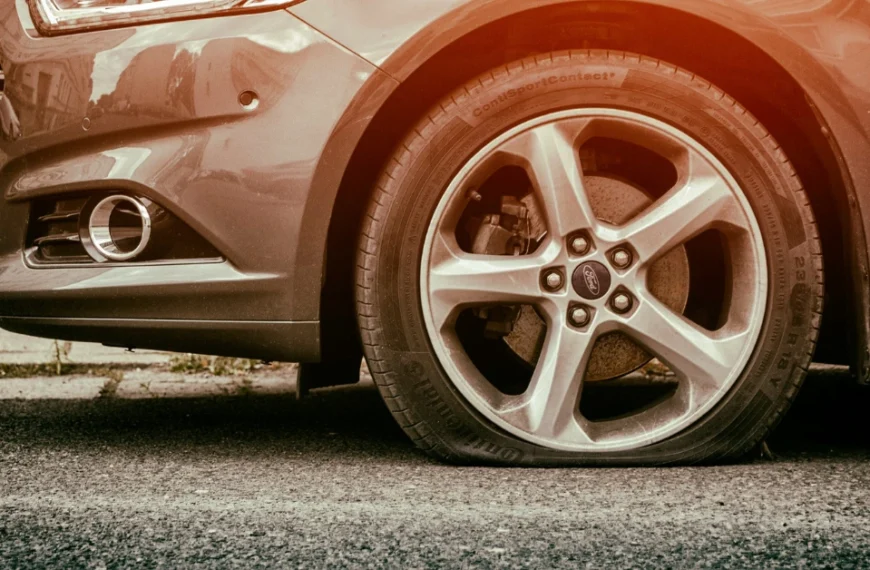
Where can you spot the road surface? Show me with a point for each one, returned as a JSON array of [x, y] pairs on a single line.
[[330, 482]]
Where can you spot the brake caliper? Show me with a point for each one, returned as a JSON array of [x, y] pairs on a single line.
[[516, 230]]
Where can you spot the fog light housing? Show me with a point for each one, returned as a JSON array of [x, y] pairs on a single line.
[[110, 228]]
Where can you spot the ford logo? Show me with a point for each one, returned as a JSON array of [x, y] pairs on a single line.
[[591, 280]]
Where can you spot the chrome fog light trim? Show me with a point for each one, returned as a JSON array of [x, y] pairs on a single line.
[[105, 234]]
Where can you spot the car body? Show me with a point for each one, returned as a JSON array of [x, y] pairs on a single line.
[[261, 132]]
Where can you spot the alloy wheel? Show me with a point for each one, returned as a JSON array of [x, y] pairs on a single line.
[[587, 278]]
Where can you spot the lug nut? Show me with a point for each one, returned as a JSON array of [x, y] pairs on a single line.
[[621, 303], [553, 280], [579, 316], [621, 258], [579, 245]]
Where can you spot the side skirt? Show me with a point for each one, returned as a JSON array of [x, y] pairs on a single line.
[[290, 341]]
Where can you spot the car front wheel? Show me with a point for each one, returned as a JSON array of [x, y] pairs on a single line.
[[589, 257]]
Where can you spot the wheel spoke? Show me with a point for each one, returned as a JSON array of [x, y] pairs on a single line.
[[553, 164], [703, 358], [548, 408], [458, 279], [703, 200]]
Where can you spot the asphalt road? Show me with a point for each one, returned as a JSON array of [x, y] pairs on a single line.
[[266, 482]]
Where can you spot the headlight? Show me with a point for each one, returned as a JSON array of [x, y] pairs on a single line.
[[63, 16]]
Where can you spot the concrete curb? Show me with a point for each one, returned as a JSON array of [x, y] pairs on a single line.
[[147, 383], [21, 349], [106, 372]]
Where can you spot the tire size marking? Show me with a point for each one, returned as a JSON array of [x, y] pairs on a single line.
[[800, 273], [800, 298]]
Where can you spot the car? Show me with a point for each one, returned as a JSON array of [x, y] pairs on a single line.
[[561, 232]]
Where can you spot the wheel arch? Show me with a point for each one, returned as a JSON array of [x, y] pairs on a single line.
[[429, 66]]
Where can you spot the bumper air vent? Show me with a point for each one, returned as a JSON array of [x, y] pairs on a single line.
[[55, 232]]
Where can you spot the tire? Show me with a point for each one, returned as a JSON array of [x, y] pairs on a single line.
[[437, 408]]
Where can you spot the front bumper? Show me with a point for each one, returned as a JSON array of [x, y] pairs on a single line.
[[130, 110]]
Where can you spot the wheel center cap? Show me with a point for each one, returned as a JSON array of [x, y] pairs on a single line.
[[591, 280]]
